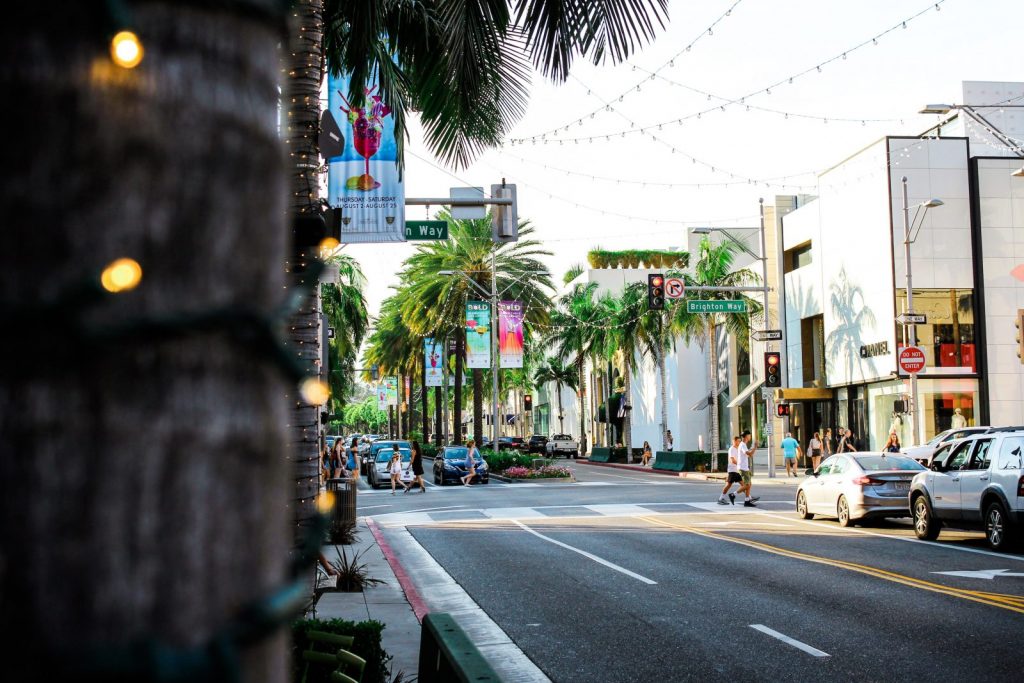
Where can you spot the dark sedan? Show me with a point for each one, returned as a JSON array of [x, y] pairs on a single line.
[[450, 466], [511, 443]]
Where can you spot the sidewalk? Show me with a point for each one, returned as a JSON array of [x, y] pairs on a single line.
[[760, 474], [386, 603]]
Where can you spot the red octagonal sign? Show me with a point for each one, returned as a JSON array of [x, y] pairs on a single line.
[[911, 360]]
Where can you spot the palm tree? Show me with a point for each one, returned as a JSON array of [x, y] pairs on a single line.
[[657, 340], [436, 304], [714, 268], [345, 308], [554, 370], [626, 314]]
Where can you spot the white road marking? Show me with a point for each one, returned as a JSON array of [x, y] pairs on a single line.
[[370, 507], [935, 544], [618, 510], [982, 573], [512, 513], [813, 651], [443, 594], [590, 556], [443, 507]]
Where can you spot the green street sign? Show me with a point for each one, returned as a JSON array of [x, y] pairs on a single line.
[[705, 306], [426, 230]]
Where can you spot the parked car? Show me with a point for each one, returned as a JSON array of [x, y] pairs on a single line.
[[378, 458], [508, 443], [450, 466], [538, 444], [858, 486], [562, 444], [978, 485], [923, 454]]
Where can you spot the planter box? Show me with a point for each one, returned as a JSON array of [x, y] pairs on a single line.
[[543, 480]]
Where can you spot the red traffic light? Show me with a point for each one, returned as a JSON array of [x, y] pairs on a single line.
[[657, 281], [772, 360]]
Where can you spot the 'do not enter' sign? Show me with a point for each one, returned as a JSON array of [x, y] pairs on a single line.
[[911, 359]]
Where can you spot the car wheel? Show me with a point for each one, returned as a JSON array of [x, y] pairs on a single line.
[[997, 530], [801, 506], [843, 512], [926, 527], [576, 454]]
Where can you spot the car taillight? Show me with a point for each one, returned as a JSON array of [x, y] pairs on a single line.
[[866, 481]]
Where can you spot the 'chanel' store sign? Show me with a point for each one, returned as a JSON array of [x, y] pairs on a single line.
[[876, 349]]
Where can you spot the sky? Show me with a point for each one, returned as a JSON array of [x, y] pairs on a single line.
[[625, 190]]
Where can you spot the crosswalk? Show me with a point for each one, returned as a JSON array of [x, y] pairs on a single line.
[[459, 513], [494, 484]]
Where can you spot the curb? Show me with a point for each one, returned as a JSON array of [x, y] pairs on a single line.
[[696, 476], [540, 480], [632, 468], [419, 606]]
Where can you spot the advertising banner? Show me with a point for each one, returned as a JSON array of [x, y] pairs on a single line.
[[510, 333], [433, 362], [363, 179], [382, 397], [478, 334], [391, 384]]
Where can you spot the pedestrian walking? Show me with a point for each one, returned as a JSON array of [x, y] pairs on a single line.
[[814, 450], [325, 464], [395, 468], [841, 446], [850, 444], [827, 444], [732, 476], [747, 450], [646, 457], [353, 458], [790, 452], [893, 444], [668, 439], [470, 463], [416, 463], [337, 454]]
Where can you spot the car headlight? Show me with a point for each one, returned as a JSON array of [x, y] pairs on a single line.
[[450, 466]]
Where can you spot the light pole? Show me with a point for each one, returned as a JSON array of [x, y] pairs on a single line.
[[910, 295], [764, 302]]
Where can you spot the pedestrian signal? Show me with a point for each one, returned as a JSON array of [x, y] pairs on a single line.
[[782, 410], [528, 402], [772, 369], [656, 292]]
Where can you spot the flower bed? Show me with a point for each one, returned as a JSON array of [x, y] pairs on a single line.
[[546, 472]]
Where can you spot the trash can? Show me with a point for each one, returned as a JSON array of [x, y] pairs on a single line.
[[343, 514]]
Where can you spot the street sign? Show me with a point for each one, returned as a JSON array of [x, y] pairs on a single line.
[[766, 393], [426, 230], [705, 306], [674, 288], [911, 360], [911, 318], [767, 335]]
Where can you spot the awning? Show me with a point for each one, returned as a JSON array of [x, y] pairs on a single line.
[[702, 404], [803, 394], [745, 394]]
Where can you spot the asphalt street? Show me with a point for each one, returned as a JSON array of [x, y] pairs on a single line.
[[635, 576]]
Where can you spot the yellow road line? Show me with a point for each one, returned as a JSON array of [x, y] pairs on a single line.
[[1007, 602]]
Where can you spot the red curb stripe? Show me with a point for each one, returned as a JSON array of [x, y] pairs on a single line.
[[419, 606]]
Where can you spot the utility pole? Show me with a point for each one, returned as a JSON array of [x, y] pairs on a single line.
[[495, 356], [910, 307], [764, 295]]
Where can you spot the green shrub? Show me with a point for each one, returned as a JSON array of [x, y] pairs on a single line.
[[502, 460], [366, 645], [429, 450]]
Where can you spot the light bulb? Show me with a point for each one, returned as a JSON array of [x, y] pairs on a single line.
[[126, 50], [122, 275], [314, 391]]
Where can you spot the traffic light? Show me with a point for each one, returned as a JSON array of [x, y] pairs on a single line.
[[374, 372], [656, 292], [782, 410], [527, 402], [1019, 322], [772, 369]]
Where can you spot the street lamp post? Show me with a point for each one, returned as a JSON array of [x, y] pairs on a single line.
[[915, 426]]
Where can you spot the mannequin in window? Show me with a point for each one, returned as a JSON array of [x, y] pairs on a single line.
[[958, 421]]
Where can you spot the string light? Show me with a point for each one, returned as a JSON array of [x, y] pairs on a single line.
[[122, 275], [126, 49]]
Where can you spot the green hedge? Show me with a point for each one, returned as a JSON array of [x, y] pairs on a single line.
[[366, 645], [429, 450], [502, 460]]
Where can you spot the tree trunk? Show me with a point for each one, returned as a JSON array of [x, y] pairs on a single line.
[[561, 425], [478, 406], [627, 421], [583, 404], [460, 356], [438, 429], [139, 477], [424, 409], [662, 377], [713, 384]]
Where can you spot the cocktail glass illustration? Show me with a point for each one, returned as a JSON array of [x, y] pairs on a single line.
[[367, 129]]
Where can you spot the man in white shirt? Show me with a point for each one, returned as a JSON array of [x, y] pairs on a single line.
[[746, 474], [732, 472]]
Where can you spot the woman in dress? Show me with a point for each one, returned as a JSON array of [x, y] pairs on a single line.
[[353, 458], [470, 463], [416, 463], [337, 456], [395, 469], [893, 444], [646, 457]]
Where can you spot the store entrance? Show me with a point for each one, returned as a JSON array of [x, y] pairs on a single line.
[[807, 417]]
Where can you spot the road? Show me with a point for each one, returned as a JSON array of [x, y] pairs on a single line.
[[635, 576]]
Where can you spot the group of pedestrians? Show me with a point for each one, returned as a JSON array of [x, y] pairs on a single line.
[[415, 467], [738, 471], [822, 446]]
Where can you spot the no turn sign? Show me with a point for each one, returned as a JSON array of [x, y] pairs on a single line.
[[674, 288], [911, 360]]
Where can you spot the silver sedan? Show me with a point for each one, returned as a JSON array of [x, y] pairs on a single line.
[[858, 486]]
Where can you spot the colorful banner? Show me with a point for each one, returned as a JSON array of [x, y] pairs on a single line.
[[433, 362], [510, 333], [391, 384], [478, 334], [382, 397], [363, 180]]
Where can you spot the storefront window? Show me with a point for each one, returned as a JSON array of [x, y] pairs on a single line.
[[948, 336], [884, 398], [947, 403]]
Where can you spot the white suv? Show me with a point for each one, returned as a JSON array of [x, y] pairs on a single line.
[[978, 485]]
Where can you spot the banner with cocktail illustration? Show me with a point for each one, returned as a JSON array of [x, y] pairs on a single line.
[[478, 334], [510, 333], [363, 181], [434, 363], [382, 397], [391, 384]]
